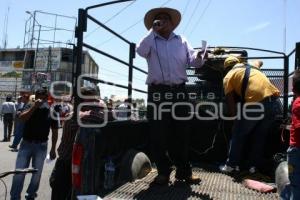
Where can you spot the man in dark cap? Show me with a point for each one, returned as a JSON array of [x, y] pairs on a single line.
[[33, 147], [168, 55]]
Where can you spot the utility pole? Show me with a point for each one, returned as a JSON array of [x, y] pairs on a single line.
[[284, 26], [5, 36]]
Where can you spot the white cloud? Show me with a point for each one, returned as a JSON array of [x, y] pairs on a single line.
[[257, 27]]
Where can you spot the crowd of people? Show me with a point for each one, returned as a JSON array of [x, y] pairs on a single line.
[[168, 55], [30, 119]]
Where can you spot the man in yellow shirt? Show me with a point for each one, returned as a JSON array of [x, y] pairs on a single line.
[[248, 89]]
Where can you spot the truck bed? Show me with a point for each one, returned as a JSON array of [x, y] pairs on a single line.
[[213, 185]]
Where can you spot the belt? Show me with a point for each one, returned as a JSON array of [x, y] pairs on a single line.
[[35, 141], [170, 86], [270, 99]]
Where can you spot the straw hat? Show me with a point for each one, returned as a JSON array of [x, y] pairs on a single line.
[[151, 14]]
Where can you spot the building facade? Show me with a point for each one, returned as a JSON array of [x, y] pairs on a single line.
[[29, 69]]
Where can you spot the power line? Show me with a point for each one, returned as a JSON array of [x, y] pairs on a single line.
[[113, 72], [104, 75], [120, 75], [112, 17], [186, 6], [204, 11], [165, 3], [128, 28], [193, 13], [125, 30], [115, 15]]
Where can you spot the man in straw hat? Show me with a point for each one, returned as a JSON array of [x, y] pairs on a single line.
[[247, 87], [168, 55]]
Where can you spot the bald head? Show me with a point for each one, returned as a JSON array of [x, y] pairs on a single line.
[[257, 63]]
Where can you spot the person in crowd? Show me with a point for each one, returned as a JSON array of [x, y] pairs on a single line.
[[8, 111], [292, 190], [168, 55], [110, 104], [123, 110], [33, 148], [18, 105], [247, 87], [57, 111], [111, 110], [66, 109], [61, 176], [134, 112], [19, 124]]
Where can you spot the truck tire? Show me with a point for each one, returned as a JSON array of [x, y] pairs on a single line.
[[134, 165], [281, 176]]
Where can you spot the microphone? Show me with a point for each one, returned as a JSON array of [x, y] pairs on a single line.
[[157, 23]]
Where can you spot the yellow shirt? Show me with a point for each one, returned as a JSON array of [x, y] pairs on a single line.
[[258, 88]]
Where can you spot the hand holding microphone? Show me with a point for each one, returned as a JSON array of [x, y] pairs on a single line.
[[157, 22], [158, 25]]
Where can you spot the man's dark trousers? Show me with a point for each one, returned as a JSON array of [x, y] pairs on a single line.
[[8, 124], [169, 137]]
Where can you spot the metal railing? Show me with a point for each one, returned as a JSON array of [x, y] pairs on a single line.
[[271, 73], [279, 75], [83, 16]]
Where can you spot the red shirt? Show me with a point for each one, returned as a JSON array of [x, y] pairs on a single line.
[[295, 128]]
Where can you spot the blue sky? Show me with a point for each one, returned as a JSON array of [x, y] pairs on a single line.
[[250, 23]]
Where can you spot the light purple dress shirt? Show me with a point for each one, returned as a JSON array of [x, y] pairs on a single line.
[[167, 58]]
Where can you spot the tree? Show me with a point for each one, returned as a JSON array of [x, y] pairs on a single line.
[[12, 74]]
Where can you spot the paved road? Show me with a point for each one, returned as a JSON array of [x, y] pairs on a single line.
[[7, 162]]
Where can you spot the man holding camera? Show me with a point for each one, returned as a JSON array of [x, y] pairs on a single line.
[[33, 148], [168, 55]]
